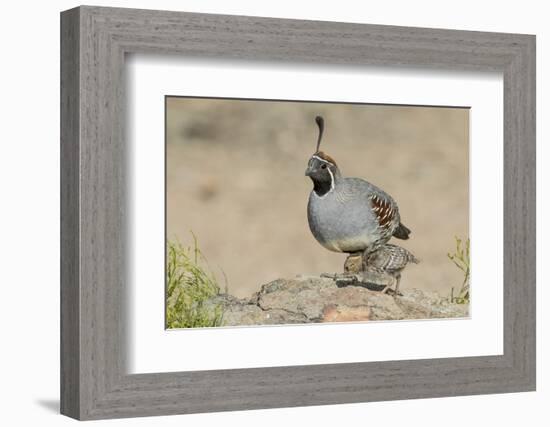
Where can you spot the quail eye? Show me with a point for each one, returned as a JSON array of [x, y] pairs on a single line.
[[323, 166]]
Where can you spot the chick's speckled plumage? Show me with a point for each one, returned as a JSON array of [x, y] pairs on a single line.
[[389, 259]]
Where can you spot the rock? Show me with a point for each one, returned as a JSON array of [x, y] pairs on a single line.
[[242, 312], [429, 305], [338, 313], [313, 299]]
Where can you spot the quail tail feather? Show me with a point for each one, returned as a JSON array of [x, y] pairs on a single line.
[[413, 259], [401, 232]]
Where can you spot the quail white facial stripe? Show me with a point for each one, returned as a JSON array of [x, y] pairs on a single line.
[[331, 178]]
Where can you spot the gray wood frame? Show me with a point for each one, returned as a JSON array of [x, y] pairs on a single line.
[[94, 41]]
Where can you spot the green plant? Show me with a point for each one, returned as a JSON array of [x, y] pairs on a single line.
[[461, 258], [190, 284]]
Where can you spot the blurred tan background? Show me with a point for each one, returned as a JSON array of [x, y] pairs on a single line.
[[235, 177]]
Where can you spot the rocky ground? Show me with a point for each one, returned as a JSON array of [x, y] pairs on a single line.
[[314, 299]]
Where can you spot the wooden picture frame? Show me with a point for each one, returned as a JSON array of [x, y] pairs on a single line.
[[94, 382]]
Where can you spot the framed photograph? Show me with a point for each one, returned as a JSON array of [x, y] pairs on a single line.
[[261, 213]]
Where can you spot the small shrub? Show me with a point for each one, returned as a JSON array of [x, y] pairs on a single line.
[[461, 258], [189, 283]]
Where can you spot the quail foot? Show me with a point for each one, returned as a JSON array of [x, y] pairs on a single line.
[[345, 214], [381, 268]]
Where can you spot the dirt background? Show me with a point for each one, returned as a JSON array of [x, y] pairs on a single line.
[[235, 178]]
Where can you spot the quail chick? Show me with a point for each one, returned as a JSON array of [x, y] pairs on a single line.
[[388, 260], [348, 215]]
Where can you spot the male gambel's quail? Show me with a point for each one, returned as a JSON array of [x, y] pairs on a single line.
[[348, 214], [388, 260]]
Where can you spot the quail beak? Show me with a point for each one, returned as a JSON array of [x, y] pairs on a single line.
[[309, 171]]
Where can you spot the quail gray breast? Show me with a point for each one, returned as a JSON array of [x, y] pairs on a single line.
[[348, 214]]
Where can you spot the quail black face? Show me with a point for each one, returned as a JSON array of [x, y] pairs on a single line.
[[322, 172]]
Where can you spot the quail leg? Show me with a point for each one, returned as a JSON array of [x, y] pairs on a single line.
[[388, 287], [397, 280], [364, 264], [354, 263], [337, 276], [395, 291], [364, 259], [340, 276]]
